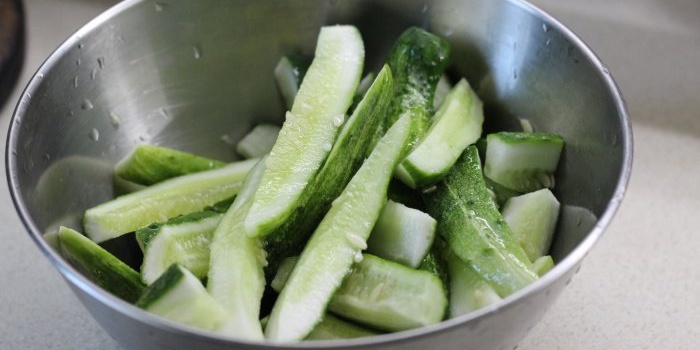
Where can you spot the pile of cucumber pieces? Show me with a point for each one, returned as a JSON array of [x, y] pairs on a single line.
[[368, 211]]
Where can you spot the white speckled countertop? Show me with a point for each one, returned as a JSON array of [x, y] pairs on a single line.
[[638, 289]]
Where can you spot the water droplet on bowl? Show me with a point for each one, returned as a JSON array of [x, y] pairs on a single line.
[[78, 62], [80, 47], [425, 8], [75, 81], [197, 52], [101, 62], [86, 105], [545, 27], [159, 6], [94, 134], [93, 73], [114, 119]]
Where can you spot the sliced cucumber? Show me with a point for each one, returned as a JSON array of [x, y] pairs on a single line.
[[390, 296], [543, 264], [441, 90], [354, 143], [310, 128], [436, 262], [236, 279], [332, 328], [337, 242], [417, 60], [99, 265], [474, 229], [468, 291], [402, 234], [259, 141], [184, 240], [179, 296], [283, 273], [522, 162], [122, 186], [149, 164], [533, 218], [456, 125], [164, 200], [289, 73]]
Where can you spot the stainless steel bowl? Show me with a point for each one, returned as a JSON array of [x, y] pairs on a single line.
[[196, 74]]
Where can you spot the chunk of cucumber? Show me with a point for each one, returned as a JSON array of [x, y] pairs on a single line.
[[310, 128], [164, 200], [456, 125], [149, 164], [475, 230], [289, 73], [533, 218], [184, 240], [390, 296], [417, 60], [100, 265], [441, 90], [468, 291], [179, 296], [334, 328], [543, 264], [259, 141], [283, 272], [402, 234], [337, 242], [521, 161], [353, 145], [236, 278]]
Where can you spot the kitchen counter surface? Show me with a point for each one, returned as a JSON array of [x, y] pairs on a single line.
[[638, 289]]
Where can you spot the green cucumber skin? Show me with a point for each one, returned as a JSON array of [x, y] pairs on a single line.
[[334, 328], [100, 265], [470, 222], [149, 164], [179, 296], [145, 234], [417, 60], [162, 285], [374, 295], [236, 279], [310, 128], [164, 200], [337, 241], [354, 144]]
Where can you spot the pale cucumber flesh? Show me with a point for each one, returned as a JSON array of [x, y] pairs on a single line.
[[259, 141], [236, 279], [533, 218], [402, 234], [468, 291], [310, 128], [334, 328]]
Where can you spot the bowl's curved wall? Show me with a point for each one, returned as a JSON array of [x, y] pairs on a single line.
[[197, 74]]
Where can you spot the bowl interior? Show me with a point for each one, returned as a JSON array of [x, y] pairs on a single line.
[[198, 75]]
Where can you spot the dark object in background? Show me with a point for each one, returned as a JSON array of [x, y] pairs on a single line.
[[11, 45]]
